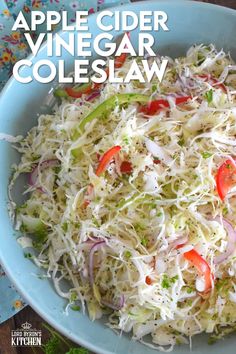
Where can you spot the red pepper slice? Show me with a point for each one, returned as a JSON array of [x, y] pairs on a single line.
[[225, 178], [119, 61], [183, 99], [106, 159], [204, 76], [90, 87], [84, 89], [126, 167], [85, 203], [156, 161], [214, 81], [220, 85], [156, 105], [202, 267], [77, 93], [179, 246], [103, 163], [148, 280]]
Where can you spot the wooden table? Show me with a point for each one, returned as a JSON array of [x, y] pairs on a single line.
[[28, 314]]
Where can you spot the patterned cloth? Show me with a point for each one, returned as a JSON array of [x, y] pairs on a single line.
[[12, 44], [12, 48]]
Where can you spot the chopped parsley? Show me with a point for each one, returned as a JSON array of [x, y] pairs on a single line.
[[73, 296], [144, 241], [125, 140], [190, 290], [127, 254], [206, 155], [225, 211], [154, 88], [167, 281], [209, 96], [181, 142]]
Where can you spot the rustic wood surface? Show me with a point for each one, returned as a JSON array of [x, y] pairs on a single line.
[[28, 314]]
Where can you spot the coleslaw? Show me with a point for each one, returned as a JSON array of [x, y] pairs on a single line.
[[131, 198]]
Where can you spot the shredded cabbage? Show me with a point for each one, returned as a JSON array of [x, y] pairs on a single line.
[[139, 215]]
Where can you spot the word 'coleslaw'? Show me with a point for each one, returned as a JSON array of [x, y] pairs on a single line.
[[132, 199]]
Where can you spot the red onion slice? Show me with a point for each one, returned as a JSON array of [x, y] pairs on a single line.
[[113, 305], [93, 249], [231, 241], [33, 176], [93, 95]]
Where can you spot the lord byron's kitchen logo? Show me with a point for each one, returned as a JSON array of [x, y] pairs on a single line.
[[26, 336]]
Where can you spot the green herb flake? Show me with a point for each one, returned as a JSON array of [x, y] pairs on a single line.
[[65, 227], [221, 284], [165, 282], [127, 254], [209, 96], [75, 307], [28, 255], [144, 241], [206, 155], [154, 88], [190, 290], [174, 279], [225, 211], [125, 140], [73, 296], [181, 142]]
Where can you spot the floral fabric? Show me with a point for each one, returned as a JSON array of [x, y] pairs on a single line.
[[12, 44], [12, 48]]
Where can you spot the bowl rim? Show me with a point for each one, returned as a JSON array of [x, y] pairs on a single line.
[[10, 273]]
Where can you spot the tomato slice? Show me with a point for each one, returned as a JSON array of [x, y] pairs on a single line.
[[119, 61], [156, 105], [126, 167], [106, 159], [202, 267], [225, 178]]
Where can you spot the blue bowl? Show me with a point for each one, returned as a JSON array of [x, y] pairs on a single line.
[[189, 23]]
